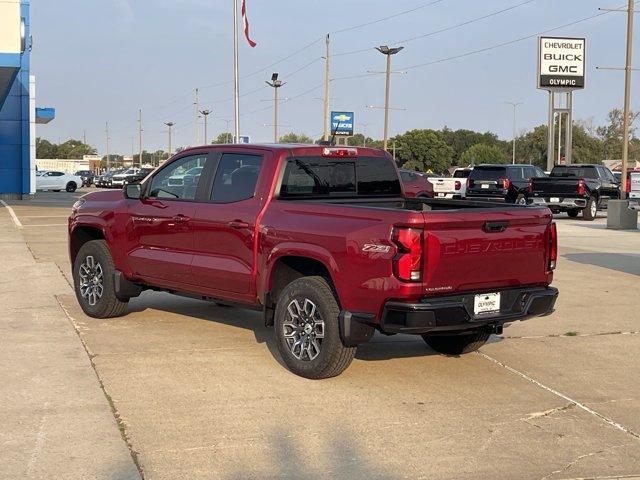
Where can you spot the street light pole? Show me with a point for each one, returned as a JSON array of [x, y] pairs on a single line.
[[385, 50], [169, 125], [107, 133], [275, 84], [236, 79], [627, 98], [205, 113], [513, 155], [325, 116], [140, 136]]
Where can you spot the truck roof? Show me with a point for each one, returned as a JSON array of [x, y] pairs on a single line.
[[297, 148]]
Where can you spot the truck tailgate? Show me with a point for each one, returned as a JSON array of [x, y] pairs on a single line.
[[444, 185], [555, 186], [500, 248]]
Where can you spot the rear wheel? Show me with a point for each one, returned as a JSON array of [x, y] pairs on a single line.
[[457, 344], [71, 187], [591, 210], [307, 331], [93, 278], [573, 213], [521, 200]]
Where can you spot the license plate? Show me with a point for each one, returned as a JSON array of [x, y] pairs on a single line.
[[441, 194], [484, 185], [486, 303], [554, 200]]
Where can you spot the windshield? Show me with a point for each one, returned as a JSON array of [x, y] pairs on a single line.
[[574, 171], [320, 176]]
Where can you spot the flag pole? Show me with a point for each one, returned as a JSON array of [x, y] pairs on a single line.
[[236, 87]]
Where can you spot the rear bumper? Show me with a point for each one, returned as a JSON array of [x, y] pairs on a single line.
[[563, 204]]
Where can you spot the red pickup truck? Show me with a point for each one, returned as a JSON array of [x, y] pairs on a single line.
[[323, 241]]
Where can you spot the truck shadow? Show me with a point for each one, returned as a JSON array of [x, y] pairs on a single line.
[[381, 347], [620, 262]]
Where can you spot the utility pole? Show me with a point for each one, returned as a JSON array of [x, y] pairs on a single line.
[[514, 105], [84, 137], [385, 50], [275, 84], [196, 104], [364, 134], [627, 98], [140, 136], [205, 113], [236, 79], [107, 139], [169, 125], [325, 117]]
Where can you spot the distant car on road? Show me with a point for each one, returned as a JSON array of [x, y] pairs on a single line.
[[575, 188], [416, 184], [87, 177], [57, 181], [451, 187], [509, 183]]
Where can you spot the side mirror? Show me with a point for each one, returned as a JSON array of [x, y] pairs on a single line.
[[133, 191]]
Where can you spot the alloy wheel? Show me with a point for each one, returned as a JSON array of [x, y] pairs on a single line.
[[91, 280], [303, 329]]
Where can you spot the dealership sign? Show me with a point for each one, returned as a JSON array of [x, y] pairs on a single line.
[[561, 63], [342, 123]]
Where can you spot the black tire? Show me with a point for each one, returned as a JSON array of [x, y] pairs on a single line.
[[71, 187], [573, 213], [107, 305], [590, 211], [333, 356], [521, 200], [457, 344], [55, 190]]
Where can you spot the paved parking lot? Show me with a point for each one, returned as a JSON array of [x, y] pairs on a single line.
[[199, 392]]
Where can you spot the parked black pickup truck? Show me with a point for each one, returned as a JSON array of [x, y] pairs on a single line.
[[575, 188]]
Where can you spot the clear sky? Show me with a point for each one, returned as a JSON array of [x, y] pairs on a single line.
[[102, 60]]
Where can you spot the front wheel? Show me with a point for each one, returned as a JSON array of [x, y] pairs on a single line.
[[457, 344], [71, 187], [307, 330], [93, 278], [591, 210]]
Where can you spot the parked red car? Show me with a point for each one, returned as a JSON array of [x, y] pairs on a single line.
[[322, 240], [416, 184]]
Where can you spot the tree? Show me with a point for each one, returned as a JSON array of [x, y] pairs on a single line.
[[358, 140], [423, 150], [295, 138], [532, 147], [74, 149], [224, 137], [482, 153], [613, 133], [462, 140], [46, 149]]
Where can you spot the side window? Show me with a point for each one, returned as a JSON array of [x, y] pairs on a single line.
[[236, 178], [516, 173], [56, 174], [178, 180]]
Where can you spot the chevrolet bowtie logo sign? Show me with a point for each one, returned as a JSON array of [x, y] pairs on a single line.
[[342, 123]]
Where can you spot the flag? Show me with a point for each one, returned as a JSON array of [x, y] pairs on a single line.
[[245, 23]]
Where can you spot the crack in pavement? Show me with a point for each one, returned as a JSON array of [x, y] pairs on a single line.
[[582, 406], [562, 335], [581, 457]]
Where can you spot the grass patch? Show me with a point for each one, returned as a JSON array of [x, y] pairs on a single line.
[[571, 334]]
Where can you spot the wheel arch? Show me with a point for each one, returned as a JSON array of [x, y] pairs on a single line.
[[82, 234]]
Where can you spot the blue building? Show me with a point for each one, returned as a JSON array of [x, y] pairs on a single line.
[[18, 113]]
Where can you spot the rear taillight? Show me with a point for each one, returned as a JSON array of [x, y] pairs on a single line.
[[457, 185], [506, 183], [530, 186], [407, 264], [627, 185], [553, 246], [581, 187], [469, 182]]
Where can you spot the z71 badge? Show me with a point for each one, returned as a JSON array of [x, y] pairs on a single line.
[[372, 247]]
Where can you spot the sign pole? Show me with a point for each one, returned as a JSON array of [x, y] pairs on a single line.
[[568, 135], [236, 79], [550, 133], [627, 98]]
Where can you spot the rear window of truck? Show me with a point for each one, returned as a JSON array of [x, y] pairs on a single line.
[[578, 172], [320, 176], [488, 173]]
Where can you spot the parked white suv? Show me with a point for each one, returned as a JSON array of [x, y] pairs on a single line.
[[57, 181], [120, 179]]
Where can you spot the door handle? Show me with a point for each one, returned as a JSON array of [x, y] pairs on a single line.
[[495, 227], [238, 225], [181, 218]]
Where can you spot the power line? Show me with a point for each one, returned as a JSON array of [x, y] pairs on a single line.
[[445, 29], [388, 17]]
